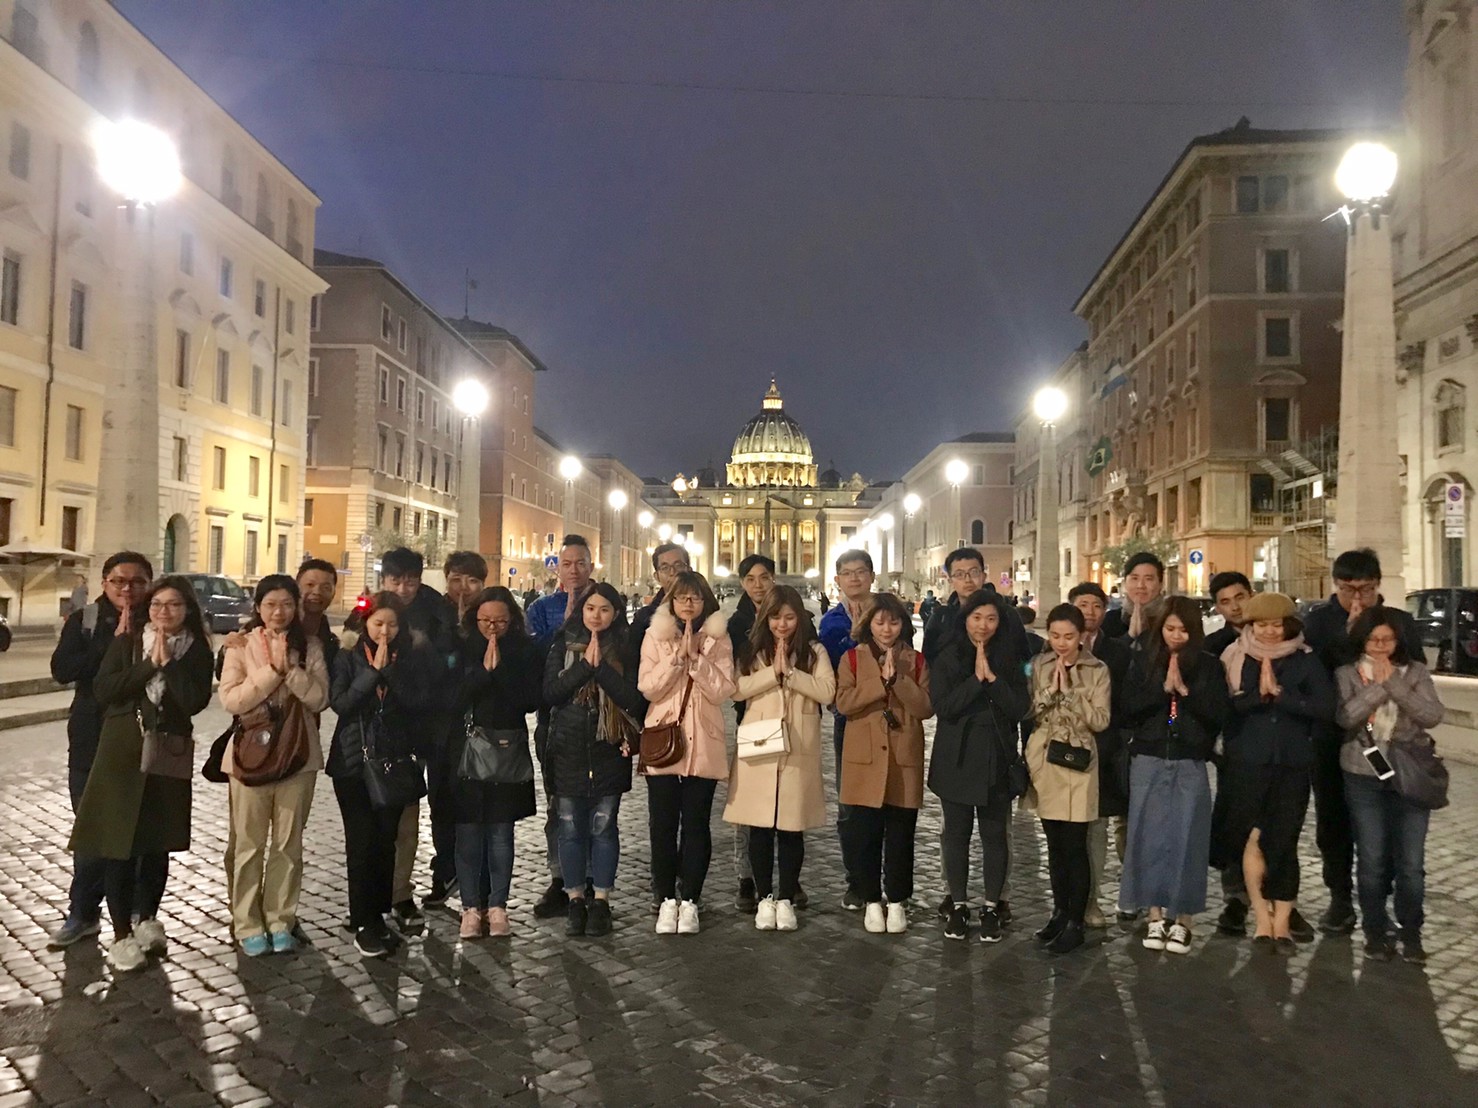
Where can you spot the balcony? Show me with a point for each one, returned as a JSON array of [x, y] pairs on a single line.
[[1266, 521], [1116, 480]]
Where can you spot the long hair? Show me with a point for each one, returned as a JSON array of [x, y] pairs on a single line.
[[689, 583], [759, 650], [500, 595], [1003, 651], [1157, 654], [194, 620], [1380, 616], [389, 600], [604, 589], [297, 638], [883, 602]]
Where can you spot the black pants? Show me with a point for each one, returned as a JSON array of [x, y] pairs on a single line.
[[679, 809], [883, 840], [134, 885], [369, 847], [1333, 829], [85, 901], [995, 824], [762, 842], [1067, 862], [845, 834], [441, 798]]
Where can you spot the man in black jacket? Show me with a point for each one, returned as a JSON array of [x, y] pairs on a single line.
[[668, 560], [965, 568], [1144, 583], [1357, 577], [85, 638], [757, 576]]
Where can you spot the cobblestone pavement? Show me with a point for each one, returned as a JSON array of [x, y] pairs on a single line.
[[829, 1015]]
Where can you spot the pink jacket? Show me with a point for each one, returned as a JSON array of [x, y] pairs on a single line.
[[247, 679], [662, 678]]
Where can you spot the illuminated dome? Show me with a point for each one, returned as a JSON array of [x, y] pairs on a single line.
[[772, 449]]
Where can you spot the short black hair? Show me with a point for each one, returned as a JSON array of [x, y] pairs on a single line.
[[1066, 613], [1144, 558], [1226, 579], [1087, 588], [576, 540], [854, 555], [318, 564], [468, 562], [752, 560], [401, 562], [963, 553], [666, 548], [128, 558], [1357, 565]]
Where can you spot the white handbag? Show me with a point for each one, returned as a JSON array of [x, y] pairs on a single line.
[[763, 738]]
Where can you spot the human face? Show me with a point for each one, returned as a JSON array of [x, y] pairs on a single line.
[[462, 587], [382, 625], [1092, 609], [966, 576], [981, 625], [125, 585], [757, 584], [687, 606], [403, 585], [886, 628], [1064, 638], [783, 622], [492, 619], [1175, 634], [1143, 584], [277, 610], [1367, 591], [316, 590], [855, 580], [574, 568], [669, 564], [597, 614], [167, 611], [1229, 603], [1268, 631], [1381, 643]]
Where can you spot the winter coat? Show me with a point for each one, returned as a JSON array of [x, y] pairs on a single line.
[[577, 760], [125, 813], [1417, 709], [882, 766], [786, 791], [402, 693], [1326, 630], [1280, 732], [499, 701], [1058, 792], [1199, 717], [1111, 742], [663, 678], [975, 737], [75, 661], [247, 679]]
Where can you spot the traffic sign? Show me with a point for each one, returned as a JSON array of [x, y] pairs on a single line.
[[1197, 557], [512, 571], [1455, 513], [550, 561]]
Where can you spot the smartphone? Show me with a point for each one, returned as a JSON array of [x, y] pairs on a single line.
[[891, 720], [1378, 762]]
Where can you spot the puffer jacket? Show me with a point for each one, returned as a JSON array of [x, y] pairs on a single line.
[[663, 679], [247, 679], [579, 762], [403, 691]]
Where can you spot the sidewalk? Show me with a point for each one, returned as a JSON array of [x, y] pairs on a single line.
[[29, 657]]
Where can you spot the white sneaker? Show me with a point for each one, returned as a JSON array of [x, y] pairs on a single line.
[[784, 916], [1154, 938], [150, 934], [1178, 941], [125, 955], [873, 918], [687, 918], [764, 915], [897, 919], [667, 917]]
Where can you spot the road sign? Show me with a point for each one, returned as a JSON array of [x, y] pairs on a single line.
[[1005, 580], [550, 561], [366, 542], [1197, 557], [1455, 513], [512, 571]]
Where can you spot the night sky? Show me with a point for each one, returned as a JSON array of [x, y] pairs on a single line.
[[891, 207]]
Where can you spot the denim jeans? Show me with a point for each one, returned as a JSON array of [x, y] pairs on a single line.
[[589, 840], [1391, 845], [484, 864]]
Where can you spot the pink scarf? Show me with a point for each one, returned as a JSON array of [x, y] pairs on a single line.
[[1245, 646]]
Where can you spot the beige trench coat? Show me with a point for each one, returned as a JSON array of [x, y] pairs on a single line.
[[1057, 792]]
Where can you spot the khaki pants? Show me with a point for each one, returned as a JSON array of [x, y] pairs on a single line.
[[1098, 849], [407, 839], [267, 853]]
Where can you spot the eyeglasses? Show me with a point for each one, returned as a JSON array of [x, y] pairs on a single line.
[[667, 569], [1367, 590], [166, 605], [134, 583], [1381, 640], [492, 623], [967, 575], [854, 574]]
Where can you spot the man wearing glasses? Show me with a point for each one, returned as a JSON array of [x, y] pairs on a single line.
[[1357, 577], [668, 560], [965, 569], [85, 638]]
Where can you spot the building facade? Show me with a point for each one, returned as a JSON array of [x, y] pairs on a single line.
[[624, 559]]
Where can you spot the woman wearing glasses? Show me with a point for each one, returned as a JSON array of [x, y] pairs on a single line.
[[153, 679], [501, 676]]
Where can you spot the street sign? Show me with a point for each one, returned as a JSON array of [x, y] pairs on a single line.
[[512, 571], [550, 561], [1455, 512], [1005, 580], [366, 542], [1197, 557]]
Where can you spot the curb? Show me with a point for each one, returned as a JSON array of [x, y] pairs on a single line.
[[26, 719]]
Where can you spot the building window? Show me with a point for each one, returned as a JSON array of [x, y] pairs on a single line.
[[182, 359], [977, 532], [1275, 193], [289, 315], [74, 433], [71, 526], [282, 484], [223, 377], [282, 552], [259, 298], [400, 455], [420, 463], [226, 278], [1247, 194], [384, 385], [315, 310], [1260, 492], [10, 288], [249, 558], [285, 407], [218, 467], [395, 518], [379, 514], [312, 376], [307, 511], [446, 471], [1190, 353], [435, 461], [8, 397], [253, 476], [258, 386], [77, 319], [1304, 199], [216, 550], [387, 319], [401, 336], [1277, 272], [1277, 336], [20, 151], [400, 391], [415, 523], [264, 206], [89, 62], [420, 405], [383, 453], [1451, 405], [25, 35], [310, 444], [181, 460], [187, 253]]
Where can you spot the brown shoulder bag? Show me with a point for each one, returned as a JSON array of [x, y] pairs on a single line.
[[664, 744], [271, 742]]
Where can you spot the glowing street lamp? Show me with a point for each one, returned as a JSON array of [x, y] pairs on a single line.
[[1366, 172], [137, 160], [955, 472], [912, 502], [570, 469]]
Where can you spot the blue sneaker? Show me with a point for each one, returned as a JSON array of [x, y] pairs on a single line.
[[283, 942], [254, 946], [72, 931]]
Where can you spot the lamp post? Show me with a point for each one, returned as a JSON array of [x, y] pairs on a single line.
[[141, 164], [911, 505], [570, 469], [617, 501], [1368, 511], [470, 398], [955, 472], [1048, 405]]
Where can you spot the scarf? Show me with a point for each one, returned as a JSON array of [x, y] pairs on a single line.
[[1140, 615], [612, 724], [175, 647], [1245, 646], [1383, 719]]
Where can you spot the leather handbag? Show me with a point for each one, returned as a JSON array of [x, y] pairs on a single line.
[[1079, 759], [213, 770], [392, 777], [1421, 776], [271, 742], [1018, 778], [497, 757], [165, 755], [762, 738], [664, 744]]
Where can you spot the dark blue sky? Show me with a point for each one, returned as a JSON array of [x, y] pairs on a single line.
[[640, 203]]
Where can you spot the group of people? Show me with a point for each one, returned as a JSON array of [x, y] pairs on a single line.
[[1112, 717]]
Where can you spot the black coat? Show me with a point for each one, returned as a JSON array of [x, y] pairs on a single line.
[[975, 734], [1219, 640], [354, 695], [944, 626], [1113, 759], [499, 701], [1144, 710], [1326, 631], [75, 661], [1280, 732], [741, 623], [577, 761]]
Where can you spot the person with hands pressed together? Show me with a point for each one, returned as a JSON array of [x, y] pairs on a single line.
[[1144, 584], [757, 579]]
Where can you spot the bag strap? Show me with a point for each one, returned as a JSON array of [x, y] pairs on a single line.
[[683, 710]]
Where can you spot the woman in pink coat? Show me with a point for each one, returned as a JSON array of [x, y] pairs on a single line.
[[686, 658]]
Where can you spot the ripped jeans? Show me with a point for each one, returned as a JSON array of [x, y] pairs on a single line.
[[589, 840]]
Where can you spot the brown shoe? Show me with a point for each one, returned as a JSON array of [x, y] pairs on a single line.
[[498, 922], [472, 923]]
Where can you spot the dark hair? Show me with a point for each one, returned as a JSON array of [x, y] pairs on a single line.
[[1157, 654], [1027, 614], [1226, 579], [128, 558], [608, 592], [854, 555], [495, 594], [1381, 616], [194, 620], [401, 562], [878, 603], [576, 540], [1066, 613], [1356, 565], [964, 554], [469, 562], [1087, 588], [759, 649], [752, 560], [666, 548], [688, 582], [1144, 558], [297, 638], [321, 565], [384, 599], [1003, 648]]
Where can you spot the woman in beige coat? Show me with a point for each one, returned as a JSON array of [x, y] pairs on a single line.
[[785, 674], [1070, 704], [274, 661], [686, 659]]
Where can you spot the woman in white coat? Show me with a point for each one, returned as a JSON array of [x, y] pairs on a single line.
[[784, 674]]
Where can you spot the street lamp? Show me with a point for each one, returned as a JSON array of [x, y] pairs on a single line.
[[955, 472], [1369, 512], [141, 164], [617, 500], [570, 469], [1048, 405], [470, 398], [664, 532]]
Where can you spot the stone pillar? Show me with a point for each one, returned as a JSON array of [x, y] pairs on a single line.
[[1047, 573]]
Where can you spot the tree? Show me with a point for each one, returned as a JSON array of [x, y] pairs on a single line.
[[1158, 543]]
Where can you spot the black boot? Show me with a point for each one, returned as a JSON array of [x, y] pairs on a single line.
[[1053, 928], [1339, 917], [575, 917], [554, 901], [1068, 939]]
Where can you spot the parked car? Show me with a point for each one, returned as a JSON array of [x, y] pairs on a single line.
[[1448, 620], [225, 604], [1211, 619]]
